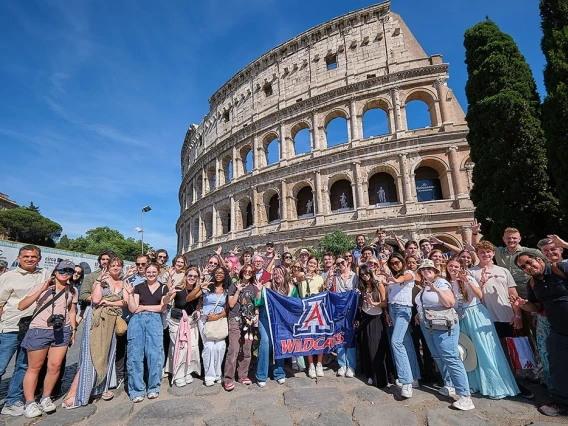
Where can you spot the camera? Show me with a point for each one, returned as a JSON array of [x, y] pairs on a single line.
[[56, 321]]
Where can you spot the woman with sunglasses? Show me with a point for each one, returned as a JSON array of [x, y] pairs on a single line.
[[342, 281], [213, 294], [242, 319], [50, 333], [145, 333], [106, 305], [492, 376], [282, 284], [372, 335], [437, 294], [309, 284], [183, 351], [399, 286], [286, 261]]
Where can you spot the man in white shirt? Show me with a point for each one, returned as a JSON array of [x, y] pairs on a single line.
[[14, 285]]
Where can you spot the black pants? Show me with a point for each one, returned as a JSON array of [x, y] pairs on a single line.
[[374, 346], [557, 346], [120, 361]]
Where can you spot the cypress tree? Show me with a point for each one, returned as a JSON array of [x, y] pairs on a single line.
[[554, 44], [506, 138]]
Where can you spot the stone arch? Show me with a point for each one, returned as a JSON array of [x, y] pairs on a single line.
[[195, 231], [246, 213], [211, 178], [227, 169], [447, 238], [336, 127], [247, 158], [208, 223], [189, 198], [305, 204], [224, 213], [467, 166], [425, 96], [198, 188], [301, 136], [271, 148], [375, 123], [340, 193], [431, 178], [382, 189]]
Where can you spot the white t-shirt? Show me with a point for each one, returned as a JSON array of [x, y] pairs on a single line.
[[496, 291], [430, 298], [472, 300], [401, 294]]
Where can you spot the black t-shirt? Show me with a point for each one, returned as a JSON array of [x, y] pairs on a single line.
[[245, 303], [147, 298], [552, 291], [179, 300]]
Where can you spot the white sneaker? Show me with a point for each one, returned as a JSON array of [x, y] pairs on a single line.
[[180, 383], [349, 373], [14, 410], [464, 403], [312, 372], [341, 372], [46, 405], [32, 411], [406, 390], [209, 383], [188, 379], [261, 384], [319, 370], [370, 381], [447, 391], [281, 381]]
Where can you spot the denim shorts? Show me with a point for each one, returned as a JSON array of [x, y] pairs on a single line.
[[42, 338]]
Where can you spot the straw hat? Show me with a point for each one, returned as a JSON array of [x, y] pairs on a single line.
[[427, 263], [467, 352]]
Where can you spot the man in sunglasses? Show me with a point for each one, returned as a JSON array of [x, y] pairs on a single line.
[[548, 287], [14, 286]]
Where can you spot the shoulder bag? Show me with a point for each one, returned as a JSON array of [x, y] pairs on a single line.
[[438, 318], [216, 330]]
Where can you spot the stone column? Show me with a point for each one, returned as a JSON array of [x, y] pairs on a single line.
[[204, 188], [284, 141], [318, 190], [236, 165], [194, 192], [201, 233], [218, 174], [355, 194], [392, 121], [233, 224], [441, 87], [284, 203], [458, 180], [395, 95], [355, 128], [214, 223], [359, 184], [256, 154], [255, 210], [408, 196]]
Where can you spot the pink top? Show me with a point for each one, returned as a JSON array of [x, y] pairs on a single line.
[[41, 320]]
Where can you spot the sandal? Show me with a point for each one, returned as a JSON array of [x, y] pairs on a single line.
[[70, 406], [153, 395], [107, 396], [551, 410]]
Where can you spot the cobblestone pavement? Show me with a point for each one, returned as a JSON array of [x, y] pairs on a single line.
[[300, 401]]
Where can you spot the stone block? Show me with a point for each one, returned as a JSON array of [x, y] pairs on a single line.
[[394, 414]]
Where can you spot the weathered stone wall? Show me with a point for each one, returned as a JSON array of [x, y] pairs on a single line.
[[367, 59]]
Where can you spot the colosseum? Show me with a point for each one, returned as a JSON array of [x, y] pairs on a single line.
[[248, 175]]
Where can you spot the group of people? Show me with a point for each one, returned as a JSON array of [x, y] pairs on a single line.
[[417, 304]]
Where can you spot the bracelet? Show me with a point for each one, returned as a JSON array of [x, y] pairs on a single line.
[[517, 316], [534, 314]]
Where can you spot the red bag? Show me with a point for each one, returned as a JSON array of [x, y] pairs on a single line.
[[521, 353]]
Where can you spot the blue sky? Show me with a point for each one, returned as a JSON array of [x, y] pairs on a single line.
[[96, 96]]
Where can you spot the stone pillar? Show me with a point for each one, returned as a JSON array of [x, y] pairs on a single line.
[[284, 141], [201, 233], [255, 210], [256, 154], [194, 191], [355, 128], [214, 223], [218, 174], [315, 131], [318, 190], [204, 188], [233, 224], [460, 190], [358, 185], [409, 199], [395, 95], [355, 195], [284, 203], [392, 121], [236, 165], [441, 87]]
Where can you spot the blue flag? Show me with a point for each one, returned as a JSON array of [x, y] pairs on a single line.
[[316, 324]]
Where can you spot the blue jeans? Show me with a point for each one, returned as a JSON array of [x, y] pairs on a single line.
[[145, 339], [444, 349], [402, 348], [9, 344], [264, 353], [347, 357]]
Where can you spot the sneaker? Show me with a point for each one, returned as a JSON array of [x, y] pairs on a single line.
[[550, 410], [46, 405], [281, 381], [218, 380], [32, 410], [180, 383], [525, 393], [464, 403], [370, 381], [261, 384], [153, 395], [349, 373], [406, 390], [138, 399], [447, 391], [245, 381], [164, 375], [341, 372], [312, 372], [319, 370], [209, 383], [229, 386], [13, 410], [188, 379], [119, 383]]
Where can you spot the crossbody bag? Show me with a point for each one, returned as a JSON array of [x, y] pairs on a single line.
[[24, 322], [438, 318]]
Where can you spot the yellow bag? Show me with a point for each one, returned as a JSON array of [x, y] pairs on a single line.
[[120, 327]]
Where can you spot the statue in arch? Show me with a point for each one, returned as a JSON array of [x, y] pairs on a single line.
[[309, 206], [343, 201], [382, 195]]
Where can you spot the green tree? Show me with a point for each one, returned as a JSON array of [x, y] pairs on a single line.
[[104, 238], [337, 242], [506, 138], [554, 44], [28, 226]]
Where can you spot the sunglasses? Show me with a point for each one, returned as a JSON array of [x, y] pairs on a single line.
[[66, 271], [141, 264], [162, 257], [382, 256], [213, 263], [339, 263], [395, 262], [192, 276], [287, 257]]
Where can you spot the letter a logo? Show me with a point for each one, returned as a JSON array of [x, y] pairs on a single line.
[[315, 319]]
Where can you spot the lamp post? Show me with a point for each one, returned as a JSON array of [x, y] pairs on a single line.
[[145, 209]]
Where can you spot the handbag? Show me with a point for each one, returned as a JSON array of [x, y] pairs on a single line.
[[176, 313], [216, 330], [121, 326], [438, 318], [521, 353], [24, 322]]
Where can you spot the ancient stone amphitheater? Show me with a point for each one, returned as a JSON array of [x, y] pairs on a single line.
[[264, 164]]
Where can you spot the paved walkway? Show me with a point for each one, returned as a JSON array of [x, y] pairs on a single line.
[[329, 401]]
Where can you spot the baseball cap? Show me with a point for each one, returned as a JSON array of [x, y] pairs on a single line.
[[270, 243], [65, 264], [304, 251]]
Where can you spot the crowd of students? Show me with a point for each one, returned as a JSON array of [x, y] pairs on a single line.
[[417, 304]]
